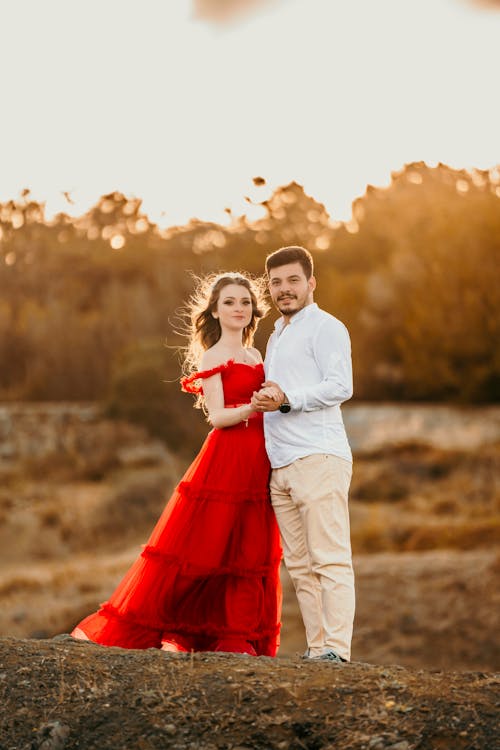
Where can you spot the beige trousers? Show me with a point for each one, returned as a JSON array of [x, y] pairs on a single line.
[[309, 497]]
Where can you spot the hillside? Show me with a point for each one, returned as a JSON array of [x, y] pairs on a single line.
[[64, 694], [78, 496]]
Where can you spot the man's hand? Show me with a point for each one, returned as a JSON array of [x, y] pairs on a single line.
[[269, 398]]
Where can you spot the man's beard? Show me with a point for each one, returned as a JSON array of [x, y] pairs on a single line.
[[289, 311]]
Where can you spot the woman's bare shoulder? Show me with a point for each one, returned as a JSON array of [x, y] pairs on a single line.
[[255, 355], [211, 358]]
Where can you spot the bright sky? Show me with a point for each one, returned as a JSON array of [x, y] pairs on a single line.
[[150, 99]]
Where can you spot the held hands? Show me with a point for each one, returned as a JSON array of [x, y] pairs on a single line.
[[269, 398]]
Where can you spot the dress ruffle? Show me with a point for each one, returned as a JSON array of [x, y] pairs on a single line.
[[219, 495], [188, 384], [212, 629], [206, 571]]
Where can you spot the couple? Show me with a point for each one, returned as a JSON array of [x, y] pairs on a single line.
[[208, 579]]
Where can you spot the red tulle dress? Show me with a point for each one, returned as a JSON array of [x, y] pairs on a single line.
[[208, 578]]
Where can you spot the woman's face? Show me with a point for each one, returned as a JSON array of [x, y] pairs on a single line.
[[234, 307]]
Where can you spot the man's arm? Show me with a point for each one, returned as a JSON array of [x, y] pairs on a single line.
[[332, 351]]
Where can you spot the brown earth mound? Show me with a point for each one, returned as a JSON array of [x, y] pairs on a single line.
[[68, 694]]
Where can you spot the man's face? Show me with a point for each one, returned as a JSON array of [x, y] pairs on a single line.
[[290, 290]]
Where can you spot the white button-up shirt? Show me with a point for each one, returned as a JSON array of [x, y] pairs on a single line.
[[310, 358]]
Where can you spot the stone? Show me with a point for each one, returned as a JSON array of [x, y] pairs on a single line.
[[51, 736]]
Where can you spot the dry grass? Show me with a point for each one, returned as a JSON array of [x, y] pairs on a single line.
[[64, 545], [418, 498]]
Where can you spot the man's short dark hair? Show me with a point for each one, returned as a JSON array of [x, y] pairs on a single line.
[[292, 254]]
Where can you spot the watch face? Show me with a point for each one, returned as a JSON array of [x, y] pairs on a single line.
[[285, 408]]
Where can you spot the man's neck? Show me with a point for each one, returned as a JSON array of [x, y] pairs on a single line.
[[287, 318]]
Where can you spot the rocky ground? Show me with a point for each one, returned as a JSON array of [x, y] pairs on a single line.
[[64, 694]]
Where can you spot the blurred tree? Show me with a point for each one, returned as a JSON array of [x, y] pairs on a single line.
[[433, 302], [144, 388], [413, 274]]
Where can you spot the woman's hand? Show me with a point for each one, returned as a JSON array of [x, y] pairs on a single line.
[[270, 391], [269, 398]]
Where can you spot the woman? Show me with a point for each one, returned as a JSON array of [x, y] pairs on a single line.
[[208, 578]]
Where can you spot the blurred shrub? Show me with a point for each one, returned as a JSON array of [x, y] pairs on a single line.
[[380, 533], [413, 274], [131, 510], [399, 472], [415, 497], [464, 534], [145, 389]]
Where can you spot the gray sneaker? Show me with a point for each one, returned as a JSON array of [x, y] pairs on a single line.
[[327, 656], [331, 656]]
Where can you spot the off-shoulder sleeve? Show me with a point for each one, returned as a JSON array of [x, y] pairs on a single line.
[[189, 384]]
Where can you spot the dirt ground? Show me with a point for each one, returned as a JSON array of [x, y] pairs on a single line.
[[66, 694]]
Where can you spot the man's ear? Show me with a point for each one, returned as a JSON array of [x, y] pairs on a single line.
[[312, 283]]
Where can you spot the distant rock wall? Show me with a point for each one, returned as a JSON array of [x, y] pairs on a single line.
[[374, 426], [34, 431], [76, 432]]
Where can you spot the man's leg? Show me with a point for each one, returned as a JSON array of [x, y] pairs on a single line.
[[297, 559], [319, 486]]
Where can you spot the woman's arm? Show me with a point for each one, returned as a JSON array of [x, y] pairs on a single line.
[[218, 415]]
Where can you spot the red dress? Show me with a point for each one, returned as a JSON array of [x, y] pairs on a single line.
[[208, 578]]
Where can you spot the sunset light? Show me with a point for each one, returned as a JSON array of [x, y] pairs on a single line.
[[249, 374], [181, 105]]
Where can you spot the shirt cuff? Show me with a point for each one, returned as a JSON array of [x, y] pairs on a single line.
[[296, 400]]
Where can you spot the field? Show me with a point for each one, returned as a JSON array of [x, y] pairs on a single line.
[[425, 530]]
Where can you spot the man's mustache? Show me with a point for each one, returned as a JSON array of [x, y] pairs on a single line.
[[286, 296]]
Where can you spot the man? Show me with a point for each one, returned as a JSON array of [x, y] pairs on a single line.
[[309, 374]]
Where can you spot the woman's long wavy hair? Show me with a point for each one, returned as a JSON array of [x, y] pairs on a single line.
[[203, 330]]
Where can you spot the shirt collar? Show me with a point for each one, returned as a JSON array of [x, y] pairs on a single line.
[[280, 323]]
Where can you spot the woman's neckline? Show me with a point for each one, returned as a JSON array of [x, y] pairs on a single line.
[[228, 362], [235, 362]]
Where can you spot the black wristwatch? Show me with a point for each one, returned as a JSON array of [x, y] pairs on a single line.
[[285, 406]]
